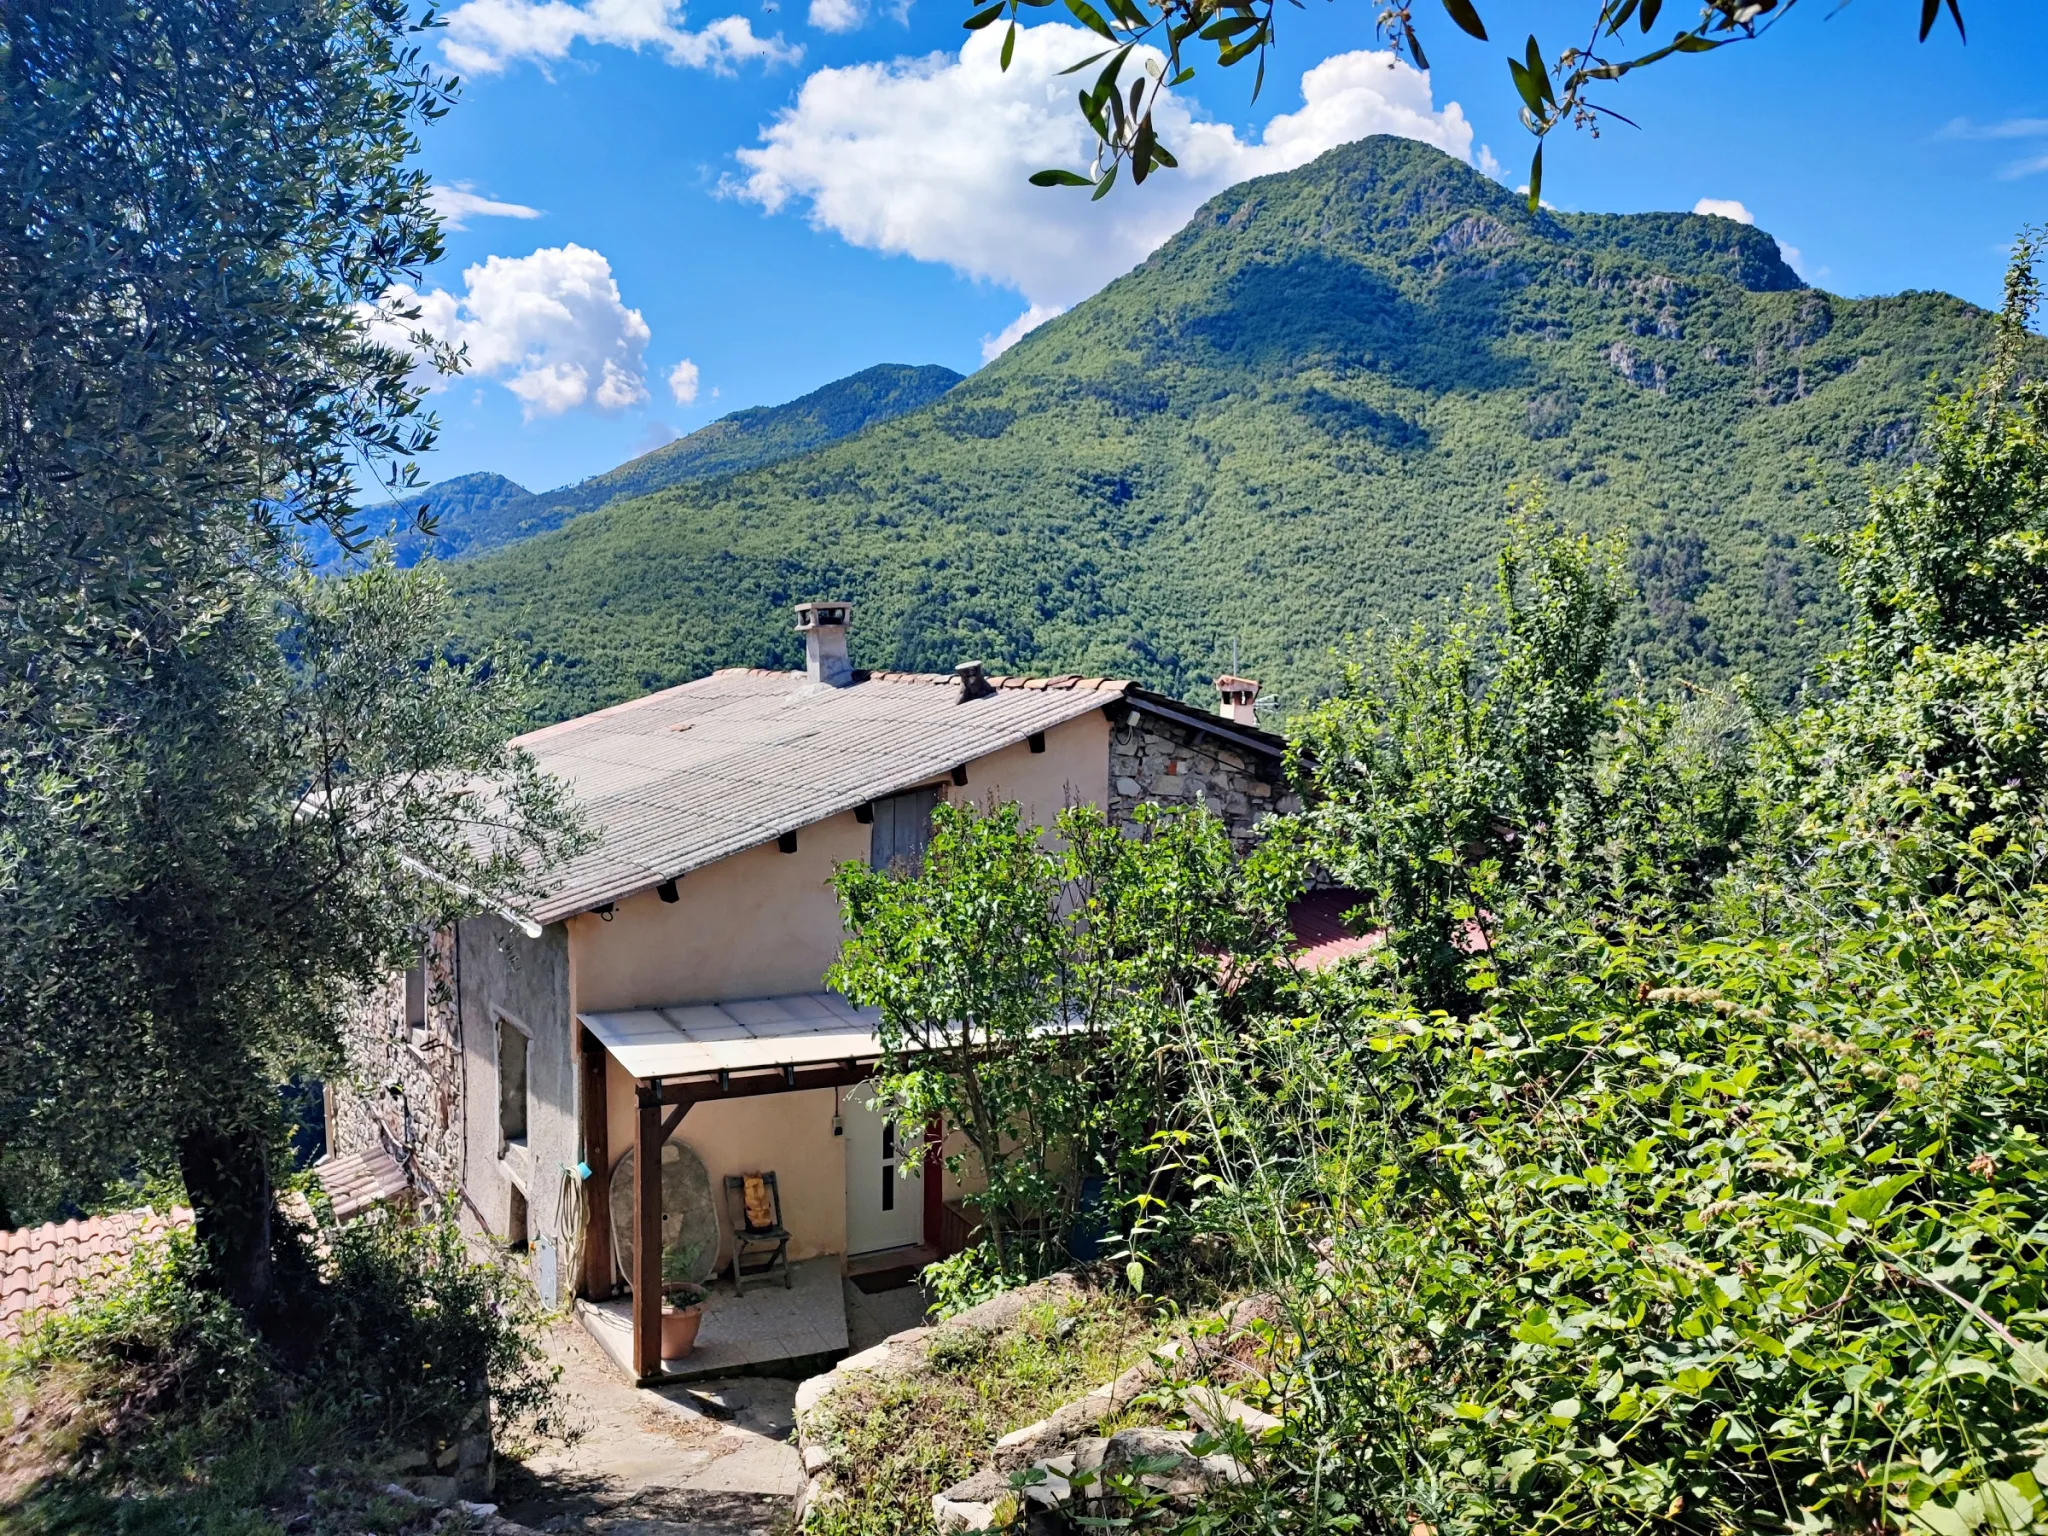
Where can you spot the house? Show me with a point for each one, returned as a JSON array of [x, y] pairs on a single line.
[[669, 985]]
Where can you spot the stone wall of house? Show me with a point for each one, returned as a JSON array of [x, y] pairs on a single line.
[[1156, 759], [401, 1089]]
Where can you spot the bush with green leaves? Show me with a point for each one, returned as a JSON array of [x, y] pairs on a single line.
[[1720, 1205], [1026, 984], [403, 1336]]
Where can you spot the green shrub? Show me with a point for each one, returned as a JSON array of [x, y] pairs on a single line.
[[187, 1419]]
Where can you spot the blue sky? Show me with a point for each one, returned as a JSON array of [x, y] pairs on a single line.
[[781, 194]]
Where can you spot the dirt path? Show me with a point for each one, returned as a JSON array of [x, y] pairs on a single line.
[[715, 1460]]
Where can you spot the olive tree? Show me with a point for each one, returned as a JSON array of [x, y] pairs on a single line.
[[228, 796]]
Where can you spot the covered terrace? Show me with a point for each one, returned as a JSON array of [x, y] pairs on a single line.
[[679, 1058]]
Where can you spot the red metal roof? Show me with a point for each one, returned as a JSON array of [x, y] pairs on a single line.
[[1321, 936]]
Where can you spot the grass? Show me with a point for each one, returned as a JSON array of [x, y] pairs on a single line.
[[901, 1441]]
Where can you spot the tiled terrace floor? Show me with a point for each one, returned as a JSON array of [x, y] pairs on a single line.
[[768, 1331]]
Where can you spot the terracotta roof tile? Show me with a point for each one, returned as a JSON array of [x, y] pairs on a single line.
[[356, 1181], [44, 1269]]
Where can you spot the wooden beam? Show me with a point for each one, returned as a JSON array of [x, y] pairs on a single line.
[[647, 1144], [837, 1074], [597, 1278]]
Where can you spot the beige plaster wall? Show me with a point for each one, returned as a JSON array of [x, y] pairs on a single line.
[[764, 923], [788, 1134]]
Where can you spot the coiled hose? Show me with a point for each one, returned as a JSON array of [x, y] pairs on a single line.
[[571, 1220]]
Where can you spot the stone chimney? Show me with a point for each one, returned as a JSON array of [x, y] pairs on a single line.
[[973, 679], [1237, 695], [823, 626]]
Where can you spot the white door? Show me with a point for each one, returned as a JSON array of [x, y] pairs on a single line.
[[884, 1206]]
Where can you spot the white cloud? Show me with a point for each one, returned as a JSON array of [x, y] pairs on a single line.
[[838, 15], [550, 327], [1724, 207], [929, 157], [485, 35], [993, 347], [2011, 128], [682, 382], [460, 202]]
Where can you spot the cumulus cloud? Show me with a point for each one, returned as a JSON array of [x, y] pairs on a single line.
[[993, 347], [459, 202], [929, 157], [550, 327], [682, 382], [485, 35], [838, 15], [1724, 207]]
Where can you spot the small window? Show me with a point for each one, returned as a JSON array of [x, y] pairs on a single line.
[[903, 829], [512, 1048], [416, 1003]]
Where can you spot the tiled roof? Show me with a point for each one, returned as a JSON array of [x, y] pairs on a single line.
[[44, 1269], [355, 1181], [685, 777]]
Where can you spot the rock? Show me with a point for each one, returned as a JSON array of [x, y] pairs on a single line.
[[1029, 1435], [982, 1487], [476, 1511], [1213, 1409], [1128, 788], [1183, 1478], [435, 1490], [950, 1515], [816, 1459]]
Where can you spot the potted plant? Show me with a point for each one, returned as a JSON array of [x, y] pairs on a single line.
[[682, 1302]]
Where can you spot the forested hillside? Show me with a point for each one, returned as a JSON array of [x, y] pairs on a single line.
[[479, 512], [1297, 421]]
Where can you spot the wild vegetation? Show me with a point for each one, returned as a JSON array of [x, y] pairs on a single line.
[[1291, 424], [154, 1407], [1676, 1161]]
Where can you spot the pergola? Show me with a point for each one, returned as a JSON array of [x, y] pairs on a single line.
[[681, 1057]]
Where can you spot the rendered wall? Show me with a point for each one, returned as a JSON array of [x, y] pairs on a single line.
[[504, 974], [788, 1134], [765, 923]]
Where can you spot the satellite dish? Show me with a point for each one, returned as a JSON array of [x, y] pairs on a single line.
[[689, 1217]]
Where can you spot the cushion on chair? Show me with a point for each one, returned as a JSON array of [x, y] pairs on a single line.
[[759, 1203]]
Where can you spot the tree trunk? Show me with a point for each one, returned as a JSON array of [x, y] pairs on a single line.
[[227, 1179]]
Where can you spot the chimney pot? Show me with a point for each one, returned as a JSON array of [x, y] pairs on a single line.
[[1237, 697], [973, 678], [823, 626]]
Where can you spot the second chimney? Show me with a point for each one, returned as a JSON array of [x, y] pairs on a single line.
[[1238, 695], [823, 626]]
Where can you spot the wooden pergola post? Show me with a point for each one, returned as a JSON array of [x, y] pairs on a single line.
[[597, 1278], [651, 1131]]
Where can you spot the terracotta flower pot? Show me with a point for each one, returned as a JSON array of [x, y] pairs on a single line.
[[679, 1325]]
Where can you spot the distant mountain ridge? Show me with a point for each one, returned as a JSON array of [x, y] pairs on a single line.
[[1296, 421], [482, 511]]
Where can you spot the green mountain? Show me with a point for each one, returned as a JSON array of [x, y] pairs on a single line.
[[454, 504], [483, 511], [749, 439], [1298, 420]]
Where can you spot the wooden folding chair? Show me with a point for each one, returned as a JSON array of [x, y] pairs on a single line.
[[753, 1204]]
